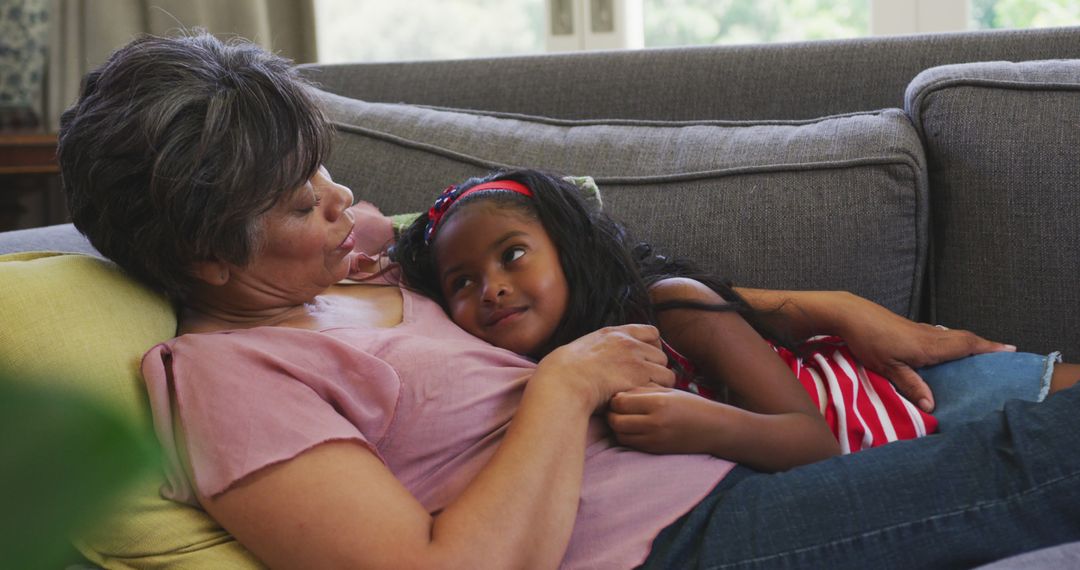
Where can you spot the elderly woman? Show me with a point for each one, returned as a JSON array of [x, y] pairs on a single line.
[[327, 423]]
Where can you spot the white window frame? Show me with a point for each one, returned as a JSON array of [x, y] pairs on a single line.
[[898, 17], [624, 25], [887, 17]]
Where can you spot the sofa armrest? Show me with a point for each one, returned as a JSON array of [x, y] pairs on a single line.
[[1002, 142], [1061, 557], [62, 237]]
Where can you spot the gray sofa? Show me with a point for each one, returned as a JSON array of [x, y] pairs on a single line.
[[938, 175]]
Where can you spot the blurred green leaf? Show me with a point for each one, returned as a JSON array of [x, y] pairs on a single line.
[[63, 457]]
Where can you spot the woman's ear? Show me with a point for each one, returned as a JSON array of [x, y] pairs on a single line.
[[211, 272]]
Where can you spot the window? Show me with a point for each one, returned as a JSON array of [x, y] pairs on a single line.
[[378, 30], [1024, 13], [921, 16], [694, 22]]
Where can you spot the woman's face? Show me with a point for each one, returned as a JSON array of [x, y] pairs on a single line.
[[501, 277], [305, 243]]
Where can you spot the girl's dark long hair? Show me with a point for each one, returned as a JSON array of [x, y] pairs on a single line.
[[608, 273]]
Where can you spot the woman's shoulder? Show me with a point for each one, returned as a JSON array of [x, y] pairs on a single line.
[[254, 397], [228, 339], [310, 356], [272, 366]]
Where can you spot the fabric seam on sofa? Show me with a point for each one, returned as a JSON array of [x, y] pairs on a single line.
[[555, 121], [907, 160]]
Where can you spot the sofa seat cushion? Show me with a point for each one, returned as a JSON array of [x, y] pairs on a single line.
[[833, 203], [78, 325]]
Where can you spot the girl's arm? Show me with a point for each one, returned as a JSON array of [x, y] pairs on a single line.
[[774, 427], [883, 341], [337, 505]]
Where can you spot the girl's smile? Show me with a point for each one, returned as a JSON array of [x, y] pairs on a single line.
[[504, 316]]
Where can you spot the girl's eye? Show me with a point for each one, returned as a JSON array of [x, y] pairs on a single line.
[[460, 283], [513, 254]]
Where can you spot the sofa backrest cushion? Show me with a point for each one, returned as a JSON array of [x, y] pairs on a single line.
[[832, 203], [800, 80], [1003, 147]]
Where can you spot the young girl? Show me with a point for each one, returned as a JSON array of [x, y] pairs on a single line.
[[521, 260]]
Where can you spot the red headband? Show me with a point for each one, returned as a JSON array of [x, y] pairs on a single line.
[[451, 195]]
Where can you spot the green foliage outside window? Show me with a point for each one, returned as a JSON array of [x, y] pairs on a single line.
[[376, 30], [986, 14], [697, 22]]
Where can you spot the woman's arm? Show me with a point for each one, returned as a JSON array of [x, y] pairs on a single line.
[[883, 341], [337, 505], [774, 427]]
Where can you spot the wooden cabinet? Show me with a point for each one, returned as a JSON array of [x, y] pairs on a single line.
[[30, 193]]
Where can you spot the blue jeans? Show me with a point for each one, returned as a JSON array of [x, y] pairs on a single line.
[[969, 388], [1003, 483]]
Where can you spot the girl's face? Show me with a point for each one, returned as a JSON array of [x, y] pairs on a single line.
[[501, 277]]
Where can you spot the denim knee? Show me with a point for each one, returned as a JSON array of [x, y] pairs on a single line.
[[969, 388]]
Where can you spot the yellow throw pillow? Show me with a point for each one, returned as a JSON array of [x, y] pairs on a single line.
[[78, 324]]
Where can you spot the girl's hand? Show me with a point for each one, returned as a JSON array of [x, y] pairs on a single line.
[[608, 361], [894, 346], [662, 420]]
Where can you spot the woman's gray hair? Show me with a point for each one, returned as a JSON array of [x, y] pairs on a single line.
[[175, 148]]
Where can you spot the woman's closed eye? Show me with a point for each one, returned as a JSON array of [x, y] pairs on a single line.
[[311, 208]]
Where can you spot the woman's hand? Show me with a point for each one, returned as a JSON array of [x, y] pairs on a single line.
[[605, 362], [663, 420], [894, 346]]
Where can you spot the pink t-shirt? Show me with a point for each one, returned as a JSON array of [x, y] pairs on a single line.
[[430, 400]]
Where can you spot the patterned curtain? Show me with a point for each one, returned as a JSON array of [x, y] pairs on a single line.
[[24, 33]]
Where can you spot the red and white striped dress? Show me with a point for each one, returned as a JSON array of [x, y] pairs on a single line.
[[862, 408]]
